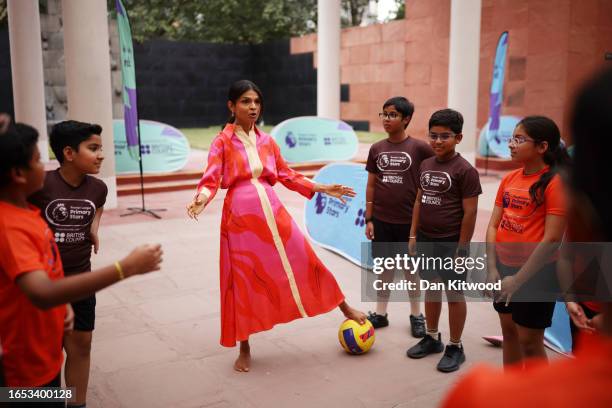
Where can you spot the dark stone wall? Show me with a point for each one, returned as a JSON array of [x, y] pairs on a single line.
[[6, 82], [288, 82], [185, 84]]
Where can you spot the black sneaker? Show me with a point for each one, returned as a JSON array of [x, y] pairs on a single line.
[[377, 320], [425, 347], [417, 326], [451, 360]]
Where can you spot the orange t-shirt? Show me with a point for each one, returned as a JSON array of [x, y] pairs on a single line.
[[581, 382], [522, 221], [31, 337]]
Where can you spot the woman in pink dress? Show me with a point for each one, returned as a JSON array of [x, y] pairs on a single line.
[[269, 272]]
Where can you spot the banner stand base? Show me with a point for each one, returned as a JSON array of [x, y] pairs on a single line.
[[138, 210]]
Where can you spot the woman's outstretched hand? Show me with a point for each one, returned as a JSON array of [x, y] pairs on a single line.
[[337, 190], [196, 206]]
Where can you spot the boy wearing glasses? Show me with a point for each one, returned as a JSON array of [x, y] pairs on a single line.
[[392, 166], [443, 223]]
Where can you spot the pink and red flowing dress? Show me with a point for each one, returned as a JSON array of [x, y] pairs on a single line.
[[269, 273]]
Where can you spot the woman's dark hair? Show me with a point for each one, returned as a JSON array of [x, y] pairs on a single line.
[[402, 105], [542, 129], [237, 89], [16, 150]]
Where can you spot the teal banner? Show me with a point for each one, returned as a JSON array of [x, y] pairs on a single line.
[[128, 76], [495, 142], [164, 148], [311, 139]]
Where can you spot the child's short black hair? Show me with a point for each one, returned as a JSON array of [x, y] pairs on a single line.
[[71, 133], [402, 105], [449, 118], [16, 150]]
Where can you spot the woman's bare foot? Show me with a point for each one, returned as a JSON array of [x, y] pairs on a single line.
[[243, 362], [352, 314]]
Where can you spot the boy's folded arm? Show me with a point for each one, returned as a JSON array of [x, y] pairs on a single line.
[[468, 224], [370, 188], [416, 212], [95, 224]]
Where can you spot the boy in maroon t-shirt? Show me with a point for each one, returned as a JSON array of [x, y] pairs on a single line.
[[392, 166], [71, 201], [443, 222]]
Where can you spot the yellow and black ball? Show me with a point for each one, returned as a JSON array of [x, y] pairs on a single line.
[[356, 338]]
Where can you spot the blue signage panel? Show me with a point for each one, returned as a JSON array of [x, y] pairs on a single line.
[[325, 215], [558, 336]]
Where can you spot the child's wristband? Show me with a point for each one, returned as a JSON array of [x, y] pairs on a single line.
[[119, 270]]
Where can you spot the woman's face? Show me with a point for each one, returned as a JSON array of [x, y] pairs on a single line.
[[246, 109]]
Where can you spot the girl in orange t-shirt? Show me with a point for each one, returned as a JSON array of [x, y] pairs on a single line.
[[527, 221]]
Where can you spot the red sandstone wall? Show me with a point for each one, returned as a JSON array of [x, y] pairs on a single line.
[[408, 58], [426, 69], [553, 46]]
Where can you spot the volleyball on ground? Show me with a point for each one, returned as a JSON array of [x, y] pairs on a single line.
[[356, 338]]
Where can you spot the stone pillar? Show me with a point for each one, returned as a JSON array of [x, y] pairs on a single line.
[[328, 59], [27, 68], [88, 78], [464, 61]]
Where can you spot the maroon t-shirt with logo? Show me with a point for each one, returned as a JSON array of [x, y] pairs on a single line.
[[396, 166], [445, 185], [69, 211]]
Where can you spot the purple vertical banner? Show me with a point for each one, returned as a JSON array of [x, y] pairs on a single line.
[[128, 76], [495, 143]]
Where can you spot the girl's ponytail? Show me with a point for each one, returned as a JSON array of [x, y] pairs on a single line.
[[542, 129]]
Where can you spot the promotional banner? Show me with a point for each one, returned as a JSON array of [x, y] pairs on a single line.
[[325, 215], [558, 336], [504, 133], [128, 76], [496, 144], [164, 148], [310, 138]]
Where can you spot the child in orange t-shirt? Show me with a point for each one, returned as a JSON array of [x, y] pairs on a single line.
[[527, 222], [33, 290]]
